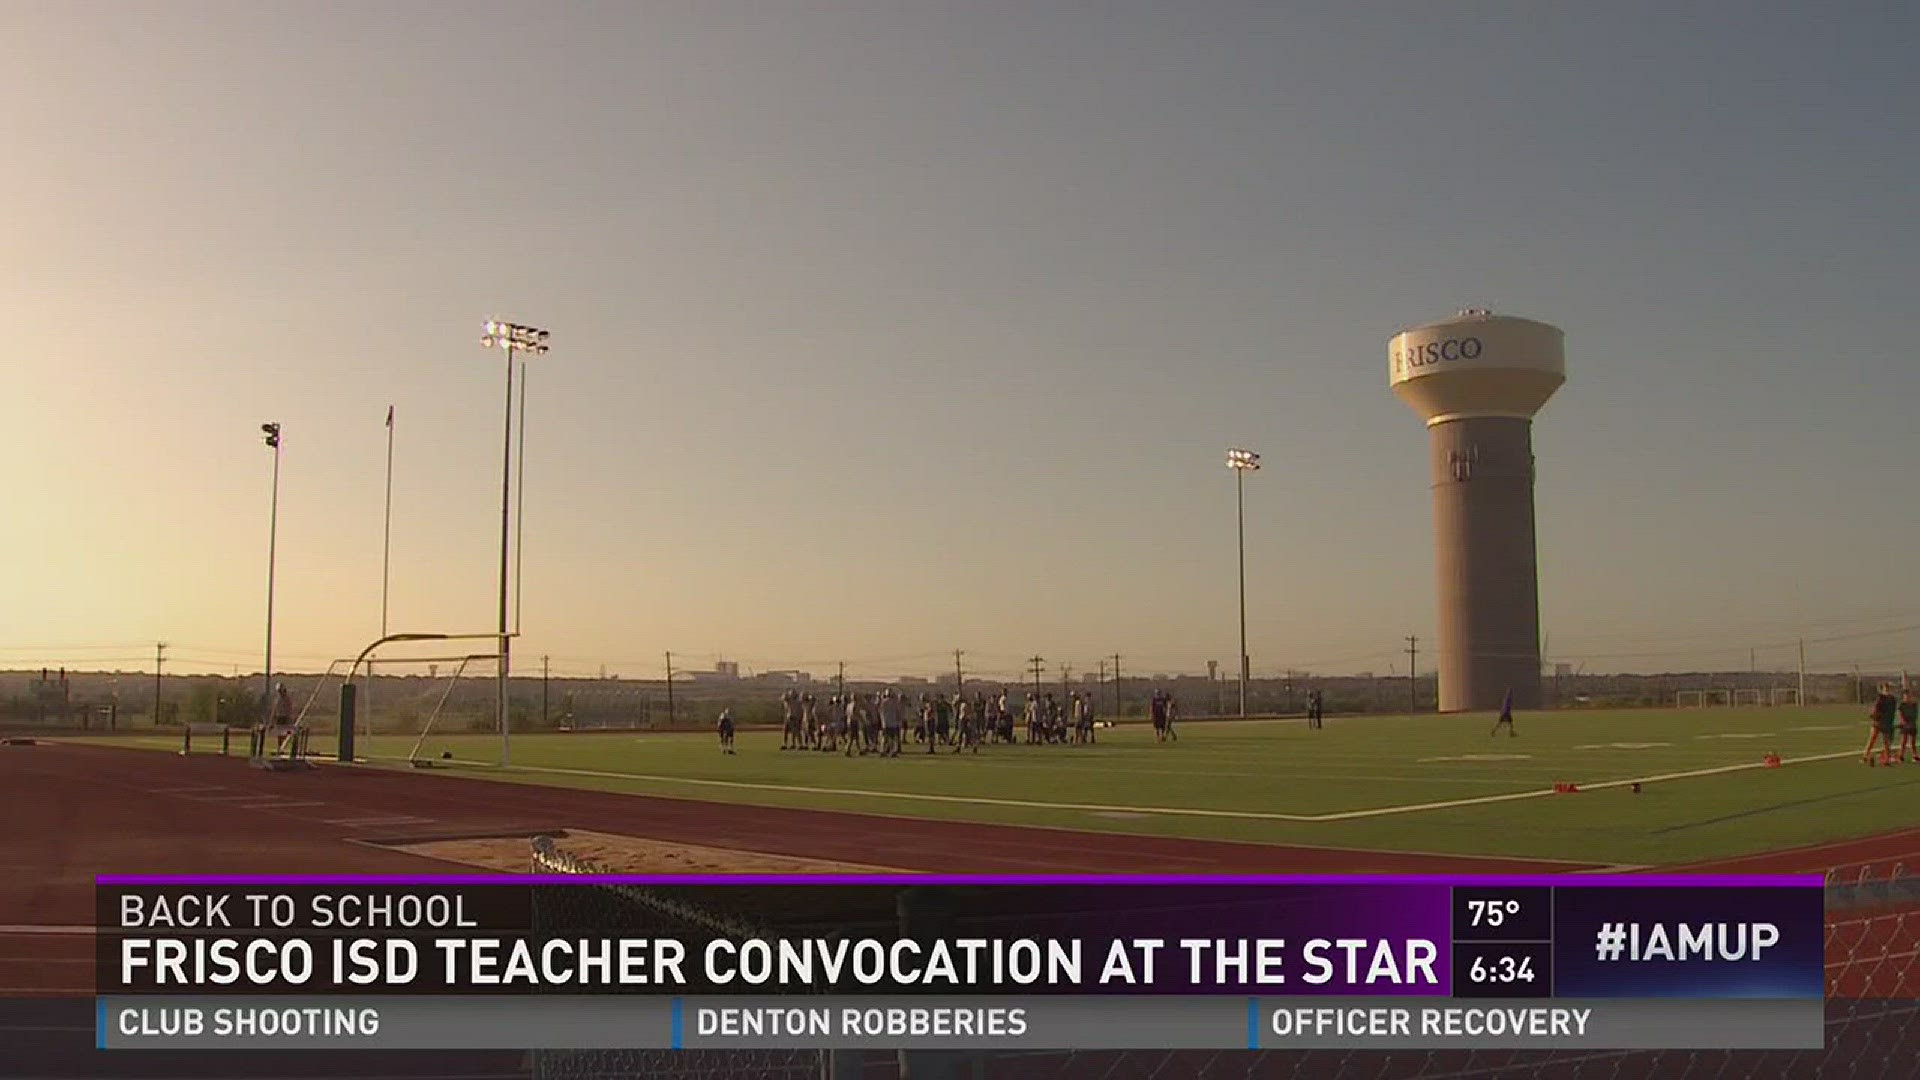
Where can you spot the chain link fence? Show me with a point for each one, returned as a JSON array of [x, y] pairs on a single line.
[[1872, 1025], [643, 911]]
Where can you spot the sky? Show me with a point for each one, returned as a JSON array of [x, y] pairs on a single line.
[[885, 329]]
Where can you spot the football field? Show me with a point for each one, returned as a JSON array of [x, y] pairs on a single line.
[[1429, 783]]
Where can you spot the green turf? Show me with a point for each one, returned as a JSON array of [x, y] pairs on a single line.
[[1245, 777]]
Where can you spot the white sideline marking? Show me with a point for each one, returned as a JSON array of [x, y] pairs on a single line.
[[1472, 757], [400, 819], [1169, 811], [1738, 735], [1621, 745]]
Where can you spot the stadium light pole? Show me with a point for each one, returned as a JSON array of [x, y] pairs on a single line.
[[270, 433], [1242, 462], [508, 338]]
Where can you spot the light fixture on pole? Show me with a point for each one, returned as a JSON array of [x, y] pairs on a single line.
[[270, 434], [1242, 462], [509, 338]]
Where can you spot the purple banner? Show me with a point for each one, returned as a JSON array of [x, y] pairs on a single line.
[[1512, 936]]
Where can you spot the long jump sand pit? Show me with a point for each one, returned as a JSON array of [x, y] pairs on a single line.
[[627, 855]]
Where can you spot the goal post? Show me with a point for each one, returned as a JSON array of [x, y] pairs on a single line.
[[1701, 699], [480, 719], [409, 718], [1784, 695], [1750, 697], [430, 706]]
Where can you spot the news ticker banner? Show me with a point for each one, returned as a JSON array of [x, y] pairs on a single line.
[[938, 962]]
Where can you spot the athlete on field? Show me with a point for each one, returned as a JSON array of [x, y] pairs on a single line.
[[789, 720], [1884, 707], [1506, 717], [1909, 725]]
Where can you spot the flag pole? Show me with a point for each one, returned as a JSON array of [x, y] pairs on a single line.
[[386, 562], [386, 539]]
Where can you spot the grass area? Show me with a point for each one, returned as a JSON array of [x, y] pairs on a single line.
[[1428, 783]]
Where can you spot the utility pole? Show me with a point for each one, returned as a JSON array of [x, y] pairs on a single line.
[[159, 657], [1039, 665], [841, 680], [1803, 673], [1116, 687], [546, 675], [670, 689], [959, 680], [1066, 687], [1413, 674]]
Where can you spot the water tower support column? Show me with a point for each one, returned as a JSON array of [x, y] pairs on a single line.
[[1489, 594], [1477, 380]]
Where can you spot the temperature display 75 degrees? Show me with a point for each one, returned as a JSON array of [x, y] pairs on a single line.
[[1491, 913], [1488, 913]]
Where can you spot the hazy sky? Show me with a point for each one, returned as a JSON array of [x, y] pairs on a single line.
[[885, 329]]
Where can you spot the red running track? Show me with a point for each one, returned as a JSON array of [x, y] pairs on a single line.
[[82, 810], [75, 811]]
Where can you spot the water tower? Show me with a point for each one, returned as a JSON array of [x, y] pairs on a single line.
[[1477, 379]]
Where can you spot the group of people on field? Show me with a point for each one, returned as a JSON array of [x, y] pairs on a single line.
[[1886, 708], [881, 723]]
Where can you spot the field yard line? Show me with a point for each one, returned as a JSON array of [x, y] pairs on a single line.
[[1600, 786], [973, 800], [935, 760], [1168, 811]]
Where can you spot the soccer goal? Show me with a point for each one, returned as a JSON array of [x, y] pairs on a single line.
[[1701, 699], [471, 680], [1750, 697], [411, 708], [1784, 695]]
